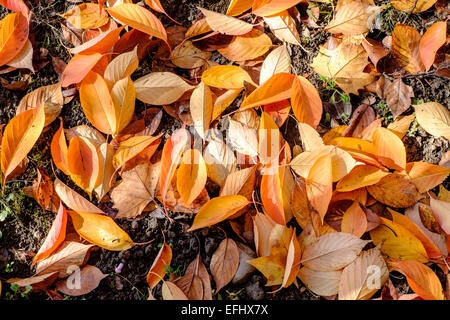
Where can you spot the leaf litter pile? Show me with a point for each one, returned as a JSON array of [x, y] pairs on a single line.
[[210, 126]]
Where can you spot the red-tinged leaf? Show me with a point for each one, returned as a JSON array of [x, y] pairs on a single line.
[[279, 111], [15, 5], [171, 156], [271, 193], [434, 38], [265, 8], [55, 236], [421, 279], [159, 266], [217, 210], [79, 67], [100, 44], [306, 102], [275, 89], [139, 18], [156, 5], [14, 31]]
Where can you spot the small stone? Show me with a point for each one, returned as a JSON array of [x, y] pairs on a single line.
[[254, 288], [124, 255], [245, 269], [148, 249], [118, 283], [134, 225]]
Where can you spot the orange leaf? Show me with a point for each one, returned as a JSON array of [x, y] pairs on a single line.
[[55, 236], [191, 175], [78, 67], [217, 210], [74, 200], [171, 155], [441, 211], [236, 7], [405, 48], [271, 7], [426, 175], [354, 220], [421, 279], [389, 149], [247, 47], [269, 138], [86, 16], [434, 38], [19, 137], [15, 5], [360, 176], [159, 266], [271, 192], [139, 18], [156, 5], [13, 36], [83, 163], [319, 185], [275, 89], [306, 102], [226, 24], [100, 44]]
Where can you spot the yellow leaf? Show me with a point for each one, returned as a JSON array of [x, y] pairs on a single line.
[[226, 24], [226, 77], [86, 16], [277, 61], [247, 47], [191, 175], [360, 176], [217, 210], [434, 118], [201, 108], [124, 97], [389, 149], [101, 230], [397, 242]]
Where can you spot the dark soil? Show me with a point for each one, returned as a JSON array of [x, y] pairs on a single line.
[[25, 228]]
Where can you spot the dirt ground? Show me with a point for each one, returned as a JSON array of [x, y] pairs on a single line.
[[25, 227]]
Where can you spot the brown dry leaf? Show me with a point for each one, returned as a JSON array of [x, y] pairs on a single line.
[[170, 291], [226, 24], [362, 118], [405, 48], [362, 278], [332, 251], [160, 88], [346, 63], [36, 282], [196, 283], [70, 253], [434, 118], [283, 26], [43, 189], [224, 263], [89, 279], [187, 56], [240, 182], [395, 190], [136, 190], [247, 47], [398, 96]]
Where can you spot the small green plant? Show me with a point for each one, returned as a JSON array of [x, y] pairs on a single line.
[[330, 85], [234, 295], [9, 267], [179, 271], [17, 292], [5, 208], [386, 112], [413, 128]]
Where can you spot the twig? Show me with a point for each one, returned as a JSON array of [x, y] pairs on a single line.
[[409, 13]]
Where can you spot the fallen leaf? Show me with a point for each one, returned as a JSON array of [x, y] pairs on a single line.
[[196, 281], [86, 16], [398, 96], [220, 161], [247, 47], [322, 283], [226, 24], [283, 26], [306, 102], [224, 263], [405, 48], [354, 220], [89, 279], [101, 231], [226, 77], [191, 175], [13, 36], [159, 266], [389, 149], [434, 118]]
